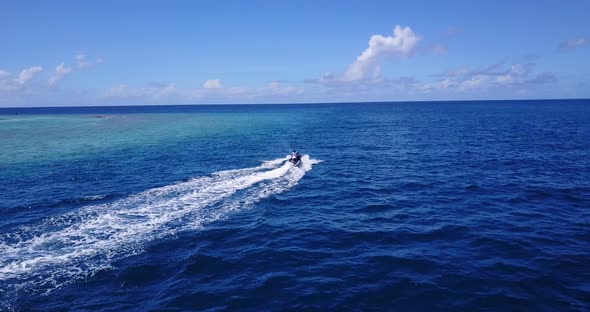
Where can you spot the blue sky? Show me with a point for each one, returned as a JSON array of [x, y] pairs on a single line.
[[183, 52]]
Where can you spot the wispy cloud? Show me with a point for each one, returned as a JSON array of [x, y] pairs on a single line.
[[12, 83], [83, 62], [155, 91], [26, 74], [573, 44], [169, 93], [456, 83], [495, 76], [18, 89], [60, 71], [6, 81]]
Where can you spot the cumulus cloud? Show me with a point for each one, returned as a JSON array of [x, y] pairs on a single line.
[[26, 74], [212, 84], [366, 69], [60, 71], [401, 45], [83, 62], [573, 44]]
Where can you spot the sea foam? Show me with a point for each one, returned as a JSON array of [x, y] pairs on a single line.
[[66, 248]]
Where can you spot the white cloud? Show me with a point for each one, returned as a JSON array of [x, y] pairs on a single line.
[[573, 44], [26, 74], [505, 79], [6, 81], [212, 84], [18, 87], [12, 83], [60, 71], [401, 45], [492, 77], [84, 63]]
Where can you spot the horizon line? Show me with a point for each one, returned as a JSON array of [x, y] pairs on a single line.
[[300, 103]]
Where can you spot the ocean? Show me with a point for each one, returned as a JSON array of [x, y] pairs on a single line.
[[423, 206]]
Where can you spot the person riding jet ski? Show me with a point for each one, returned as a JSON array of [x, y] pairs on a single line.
[[295, 158]]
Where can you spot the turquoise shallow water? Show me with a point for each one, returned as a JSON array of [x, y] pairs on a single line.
[[61, 137], [411, 206]]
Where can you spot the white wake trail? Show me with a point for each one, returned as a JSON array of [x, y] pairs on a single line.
[[78, 244]]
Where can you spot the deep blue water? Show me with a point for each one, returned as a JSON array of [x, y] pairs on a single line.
[[464, 206]]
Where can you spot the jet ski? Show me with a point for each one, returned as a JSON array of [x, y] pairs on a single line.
[[295, 160]]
